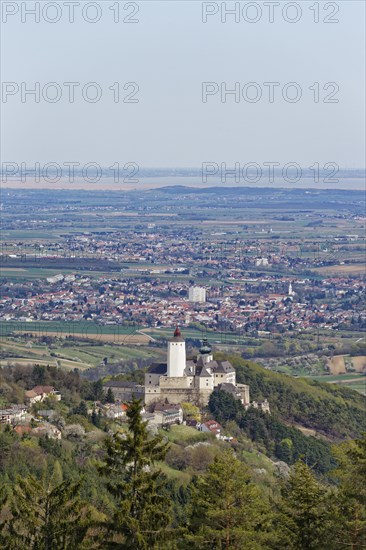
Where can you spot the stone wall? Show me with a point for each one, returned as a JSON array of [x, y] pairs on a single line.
[[178, 395], [244, 392], [179, 382], [152, 379], [126, 393]]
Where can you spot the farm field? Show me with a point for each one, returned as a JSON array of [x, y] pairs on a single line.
[[64, 329], [355, 381], [120, 339], [113, 333], [340, 364], [349, 269], [79, 355]]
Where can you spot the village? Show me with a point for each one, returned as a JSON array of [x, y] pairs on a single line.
[[246, 305], [46, 422]]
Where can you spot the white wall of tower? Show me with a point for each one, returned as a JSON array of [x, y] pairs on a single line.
[[176, 358]]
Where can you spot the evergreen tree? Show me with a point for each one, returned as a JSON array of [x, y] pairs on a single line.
[[95, 418], [97, 392], [110, 396], [57, 474], [143, 510], [227, 509], [284, 450], [39, 375], [81, 409], [349, 503], [44, 517], [224, 406], [304, 519]]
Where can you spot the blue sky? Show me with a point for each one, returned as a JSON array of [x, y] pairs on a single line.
[[169, 53]]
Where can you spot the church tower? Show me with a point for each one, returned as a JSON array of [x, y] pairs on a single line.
[[205, 352], [176, 355]]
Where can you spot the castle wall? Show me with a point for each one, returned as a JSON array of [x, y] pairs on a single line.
[[152, 379], [205, 383], [244, 392], [222, 378], [125, 393], [231, 378], [176, 382], [179, 395]]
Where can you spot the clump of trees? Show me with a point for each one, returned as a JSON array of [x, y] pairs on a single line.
[[271, 433]]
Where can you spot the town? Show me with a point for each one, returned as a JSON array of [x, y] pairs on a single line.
[[243, 305]]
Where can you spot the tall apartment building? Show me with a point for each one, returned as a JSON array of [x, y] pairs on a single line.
[[197, 294]]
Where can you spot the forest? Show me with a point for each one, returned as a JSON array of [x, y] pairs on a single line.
[[110, 485]]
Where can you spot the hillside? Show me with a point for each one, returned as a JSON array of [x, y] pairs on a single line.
[[333, 411]]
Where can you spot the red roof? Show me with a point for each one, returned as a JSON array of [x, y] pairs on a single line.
[[213, 426], [20, 430], [43, 389]]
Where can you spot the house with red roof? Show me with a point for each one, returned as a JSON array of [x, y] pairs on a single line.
[[211, 426], [40, 393]]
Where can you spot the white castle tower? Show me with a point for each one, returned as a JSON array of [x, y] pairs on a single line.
[[176, 355]]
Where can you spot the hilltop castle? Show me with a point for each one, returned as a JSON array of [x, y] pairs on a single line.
[[180, 379], [194, 380]]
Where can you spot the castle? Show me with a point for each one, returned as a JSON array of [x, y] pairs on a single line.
[[179, 380]]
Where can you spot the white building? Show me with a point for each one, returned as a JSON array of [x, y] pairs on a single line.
[[55, 279], [197, 294], [13, 414], [176, 360], [261, 262]]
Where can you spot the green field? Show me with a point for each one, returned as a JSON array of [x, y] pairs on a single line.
[[89, 328], [354, 381], [43, 328]]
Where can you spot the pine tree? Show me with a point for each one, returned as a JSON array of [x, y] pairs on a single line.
[[110, 396], [44, 517], [143, 509], [349, 530], [97, 392], [227, 509], [81, 409], [95, 418], [57, 474], [284, 450], [304, 518]]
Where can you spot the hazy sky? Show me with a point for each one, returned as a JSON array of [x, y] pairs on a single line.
[[169, 53]]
